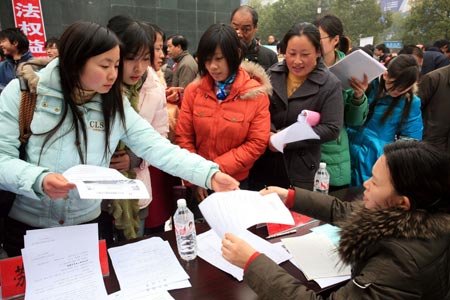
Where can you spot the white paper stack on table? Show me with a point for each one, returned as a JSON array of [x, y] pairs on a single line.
[[315, 254], [147, 268], [235, 212], [63, 263], [356, 64]]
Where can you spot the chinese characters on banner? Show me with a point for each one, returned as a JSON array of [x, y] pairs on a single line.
[[28, 17]]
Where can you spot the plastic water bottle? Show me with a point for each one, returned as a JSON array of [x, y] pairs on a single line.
[[322, 179], [185, 231]]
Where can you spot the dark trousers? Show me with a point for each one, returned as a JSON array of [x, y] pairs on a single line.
[[14, 232]]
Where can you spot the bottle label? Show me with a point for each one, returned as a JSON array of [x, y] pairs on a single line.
[[321, 185], [182, 229]]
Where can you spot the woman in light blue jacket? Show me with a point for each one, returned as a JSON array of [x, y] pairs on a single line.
[[394, 112], [80, 117]]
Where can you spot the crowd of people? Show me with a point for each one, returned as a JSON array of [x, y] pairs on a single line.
[[126, 97]]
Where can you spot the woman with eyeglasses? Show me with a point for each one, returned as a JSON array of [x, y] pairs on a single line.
[[394, 112], [336, 153]]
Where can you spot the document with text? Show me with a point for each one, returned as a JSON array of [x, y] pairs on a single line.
[[209, 248], [146, 267], [94, 182], [238, 210], [65, 265]]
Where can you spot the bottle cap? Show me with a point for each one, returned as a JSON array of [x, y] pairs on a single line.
[[323, 165], [181, 203]]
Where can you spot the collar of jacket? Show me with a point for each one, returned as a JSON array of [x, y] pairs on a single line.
[[251, 80], [180, 57], [25, 57], [364, 228], [317, 78]]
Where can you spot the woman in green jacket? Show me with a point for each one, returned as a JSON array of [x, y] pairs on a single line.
[[336, 153], [397, 240]]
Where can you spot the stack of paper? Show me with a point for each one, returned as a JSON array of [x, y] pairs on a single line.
[[147, 267], [315, 254], [63, 263], [356, 64], [235, 212]]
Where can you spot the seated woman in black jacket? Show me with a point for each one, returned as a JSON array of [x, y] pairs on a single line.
[[397, 240]]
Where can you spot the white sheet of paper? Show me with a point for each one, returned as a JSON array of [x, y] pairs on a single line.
[[237, 210], [157, 295], [209, 248], [357, 64], [147, 266], [94, 182], [324, 282], [65, 267], [316, 256], [298, 131]]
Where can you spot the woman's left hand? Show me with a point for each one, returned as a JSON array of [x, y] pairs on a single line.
[[359, 86], [236, 250], [221, 182]]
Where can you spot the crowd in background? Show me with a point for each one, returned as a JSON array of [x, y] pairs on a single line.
[[223, 105]]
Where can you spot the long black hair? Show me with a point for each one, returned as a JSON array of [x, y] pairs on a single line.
[[421, 172], [134, 36], [79, 42], [404, 72]]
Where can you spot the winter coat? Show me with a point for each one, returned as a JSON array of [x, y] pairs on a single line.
[[394, 254], [367, 142], [151, 107], [233, 132], [321, 92], [185, 70], [32, 206], [261, 55], [434, 91], [336, 153], [433, 60], [8, 68]]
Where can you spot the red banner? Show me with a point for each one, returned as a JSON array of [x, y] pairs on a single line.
[[28, 17]]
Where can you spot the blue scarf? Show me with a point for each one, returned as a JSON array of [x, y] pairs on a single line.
[[223, 87]]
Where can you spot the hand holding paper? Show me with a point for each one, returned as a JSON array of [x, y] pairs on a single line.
[[94, 182], [299, 131]]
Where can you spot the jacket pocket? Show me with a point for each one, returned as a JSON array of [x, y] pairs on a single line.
[[234, 127], [46, 114]]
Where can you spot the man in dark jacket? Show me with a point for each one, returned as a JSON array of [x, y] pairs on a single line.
[[434, 89], [244, 20], [15, 48]]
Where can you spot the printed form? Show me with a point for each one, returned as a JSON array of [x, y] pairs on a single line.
[[94, 182]]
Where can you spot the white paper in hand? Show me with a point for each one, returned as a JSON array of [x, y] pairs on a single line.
[[298, 131], [356, 64], [94, 182]]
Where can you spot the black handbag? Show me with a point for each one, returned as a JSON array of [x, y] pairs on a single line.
[[27, 105]]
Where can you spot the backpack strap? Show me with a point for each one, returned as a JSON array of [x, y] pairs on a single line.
[[26, 112]]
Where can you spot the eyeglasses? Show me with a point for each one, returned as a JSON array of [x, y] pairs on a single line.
[[325, 37]]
